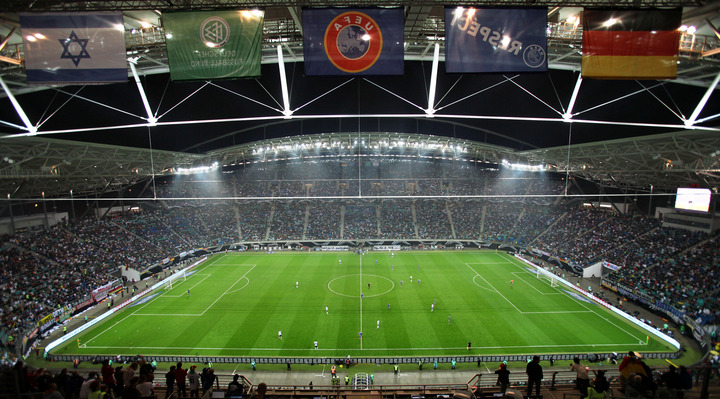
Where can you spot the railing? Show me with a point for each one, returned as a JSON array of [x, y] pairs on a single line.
[[412, 362], [552, 378], [384, 390], [698, 44]]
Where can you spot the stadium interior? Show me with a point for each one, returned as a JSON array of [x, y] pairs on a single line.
[[108, 183]]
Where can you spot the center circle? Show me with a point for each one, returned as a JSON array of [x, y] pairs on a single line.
[[352, 285]]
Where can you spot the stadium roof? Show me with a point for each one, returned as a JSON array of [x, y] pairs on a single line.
[[656, 163], [627, 134]]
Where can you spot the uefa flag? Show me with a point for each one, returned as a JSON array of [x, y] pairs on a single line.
[[630, 44], [214, 44], [361, 41], [76, 48], [495, 40]]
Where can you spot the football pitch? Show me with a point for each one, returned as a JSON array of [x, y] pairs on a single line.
[[377, 304]]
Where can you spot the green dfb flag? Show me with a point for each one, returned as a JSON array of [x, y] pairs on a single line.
[[213, 44]]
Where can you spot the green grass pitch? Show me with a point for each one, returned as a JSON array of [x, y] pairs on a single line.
[[239, 301]]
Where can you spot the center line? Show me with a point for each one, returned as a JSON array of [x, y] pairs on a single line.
[[361, 301]]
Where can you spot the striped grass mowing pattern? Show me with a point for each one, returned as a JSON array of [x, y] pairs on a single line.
[[406, 304]]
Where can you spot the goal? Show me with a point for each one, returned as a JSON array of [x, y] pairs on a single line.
[[169, 281], [361, 381], [547, 276]]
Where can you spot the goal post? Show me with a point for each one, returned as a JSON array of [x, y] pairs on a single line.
[[175, 278], [542, 274], [361, 381], [169, 284]]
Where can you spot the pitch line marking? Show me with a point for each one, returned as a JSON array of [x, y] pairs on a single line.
[[226, 291], [361, 301], [356, 296], [516, 308], [503, 296], [519, 276], [485, 288], [559, 312], [349, 349], [493, 287], [167, 314], [235, 265], [605, 318], [206, 309], [522, 267], [488, 263], [160, 293], [179, 295], [241, 288]]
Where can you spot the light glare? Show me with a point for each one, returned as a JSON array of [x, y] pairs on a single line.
[[611, 21]]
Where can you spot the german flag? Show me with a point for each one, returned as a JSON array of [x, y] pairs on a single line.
[[630, 43]]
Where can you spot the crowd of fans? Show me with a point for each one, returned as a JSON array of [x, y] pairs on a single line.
[[148, 227], [143, 379], [289, 188], [288, 221], [534, 220], [324, 188], [432, 219], [500, 221], [687, 280], [467, 216], [360, 221], [133, 380], [323, 221], [122, 246], [396, 219], [29, 286], [572, 226]]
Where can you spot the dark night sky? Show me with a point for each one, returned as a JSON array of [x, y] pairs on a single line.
[[360, 97]]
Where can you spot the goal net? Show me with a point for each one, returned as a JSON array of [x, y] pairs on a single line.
[[175, 279], [361, 381], [546, 276]]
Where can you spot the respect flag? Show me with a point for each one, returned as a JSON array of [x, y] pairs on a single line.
[[495, 40], [213, 44], [630, 44], [77, 48], [362, 41]]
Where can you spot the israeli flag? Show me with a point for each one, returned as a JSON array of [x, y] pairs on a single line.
[[74, 48]]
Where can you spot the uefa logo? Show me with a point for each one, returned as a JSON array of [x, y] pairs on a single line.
[[353, 41], [214, 32], [534, 56]]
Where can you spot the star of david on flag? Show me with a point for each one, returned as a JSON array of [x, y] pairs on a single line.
[[67, 53], [74, 48]]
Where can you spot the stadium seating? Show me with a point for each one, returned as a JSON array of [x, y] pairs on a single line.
[[47, 269]]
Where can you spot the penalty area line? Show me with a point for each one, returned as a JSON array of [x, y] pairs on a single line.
[[553, 346]]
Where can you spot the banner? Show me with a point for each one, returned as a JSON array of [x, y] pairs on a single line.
[[495, 40], [77, 48], [630, 44], [44, 320], [335, 248], [101, 293], [611, 266], [82, 305], [213, 44], [386, 248], [363, 41]]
